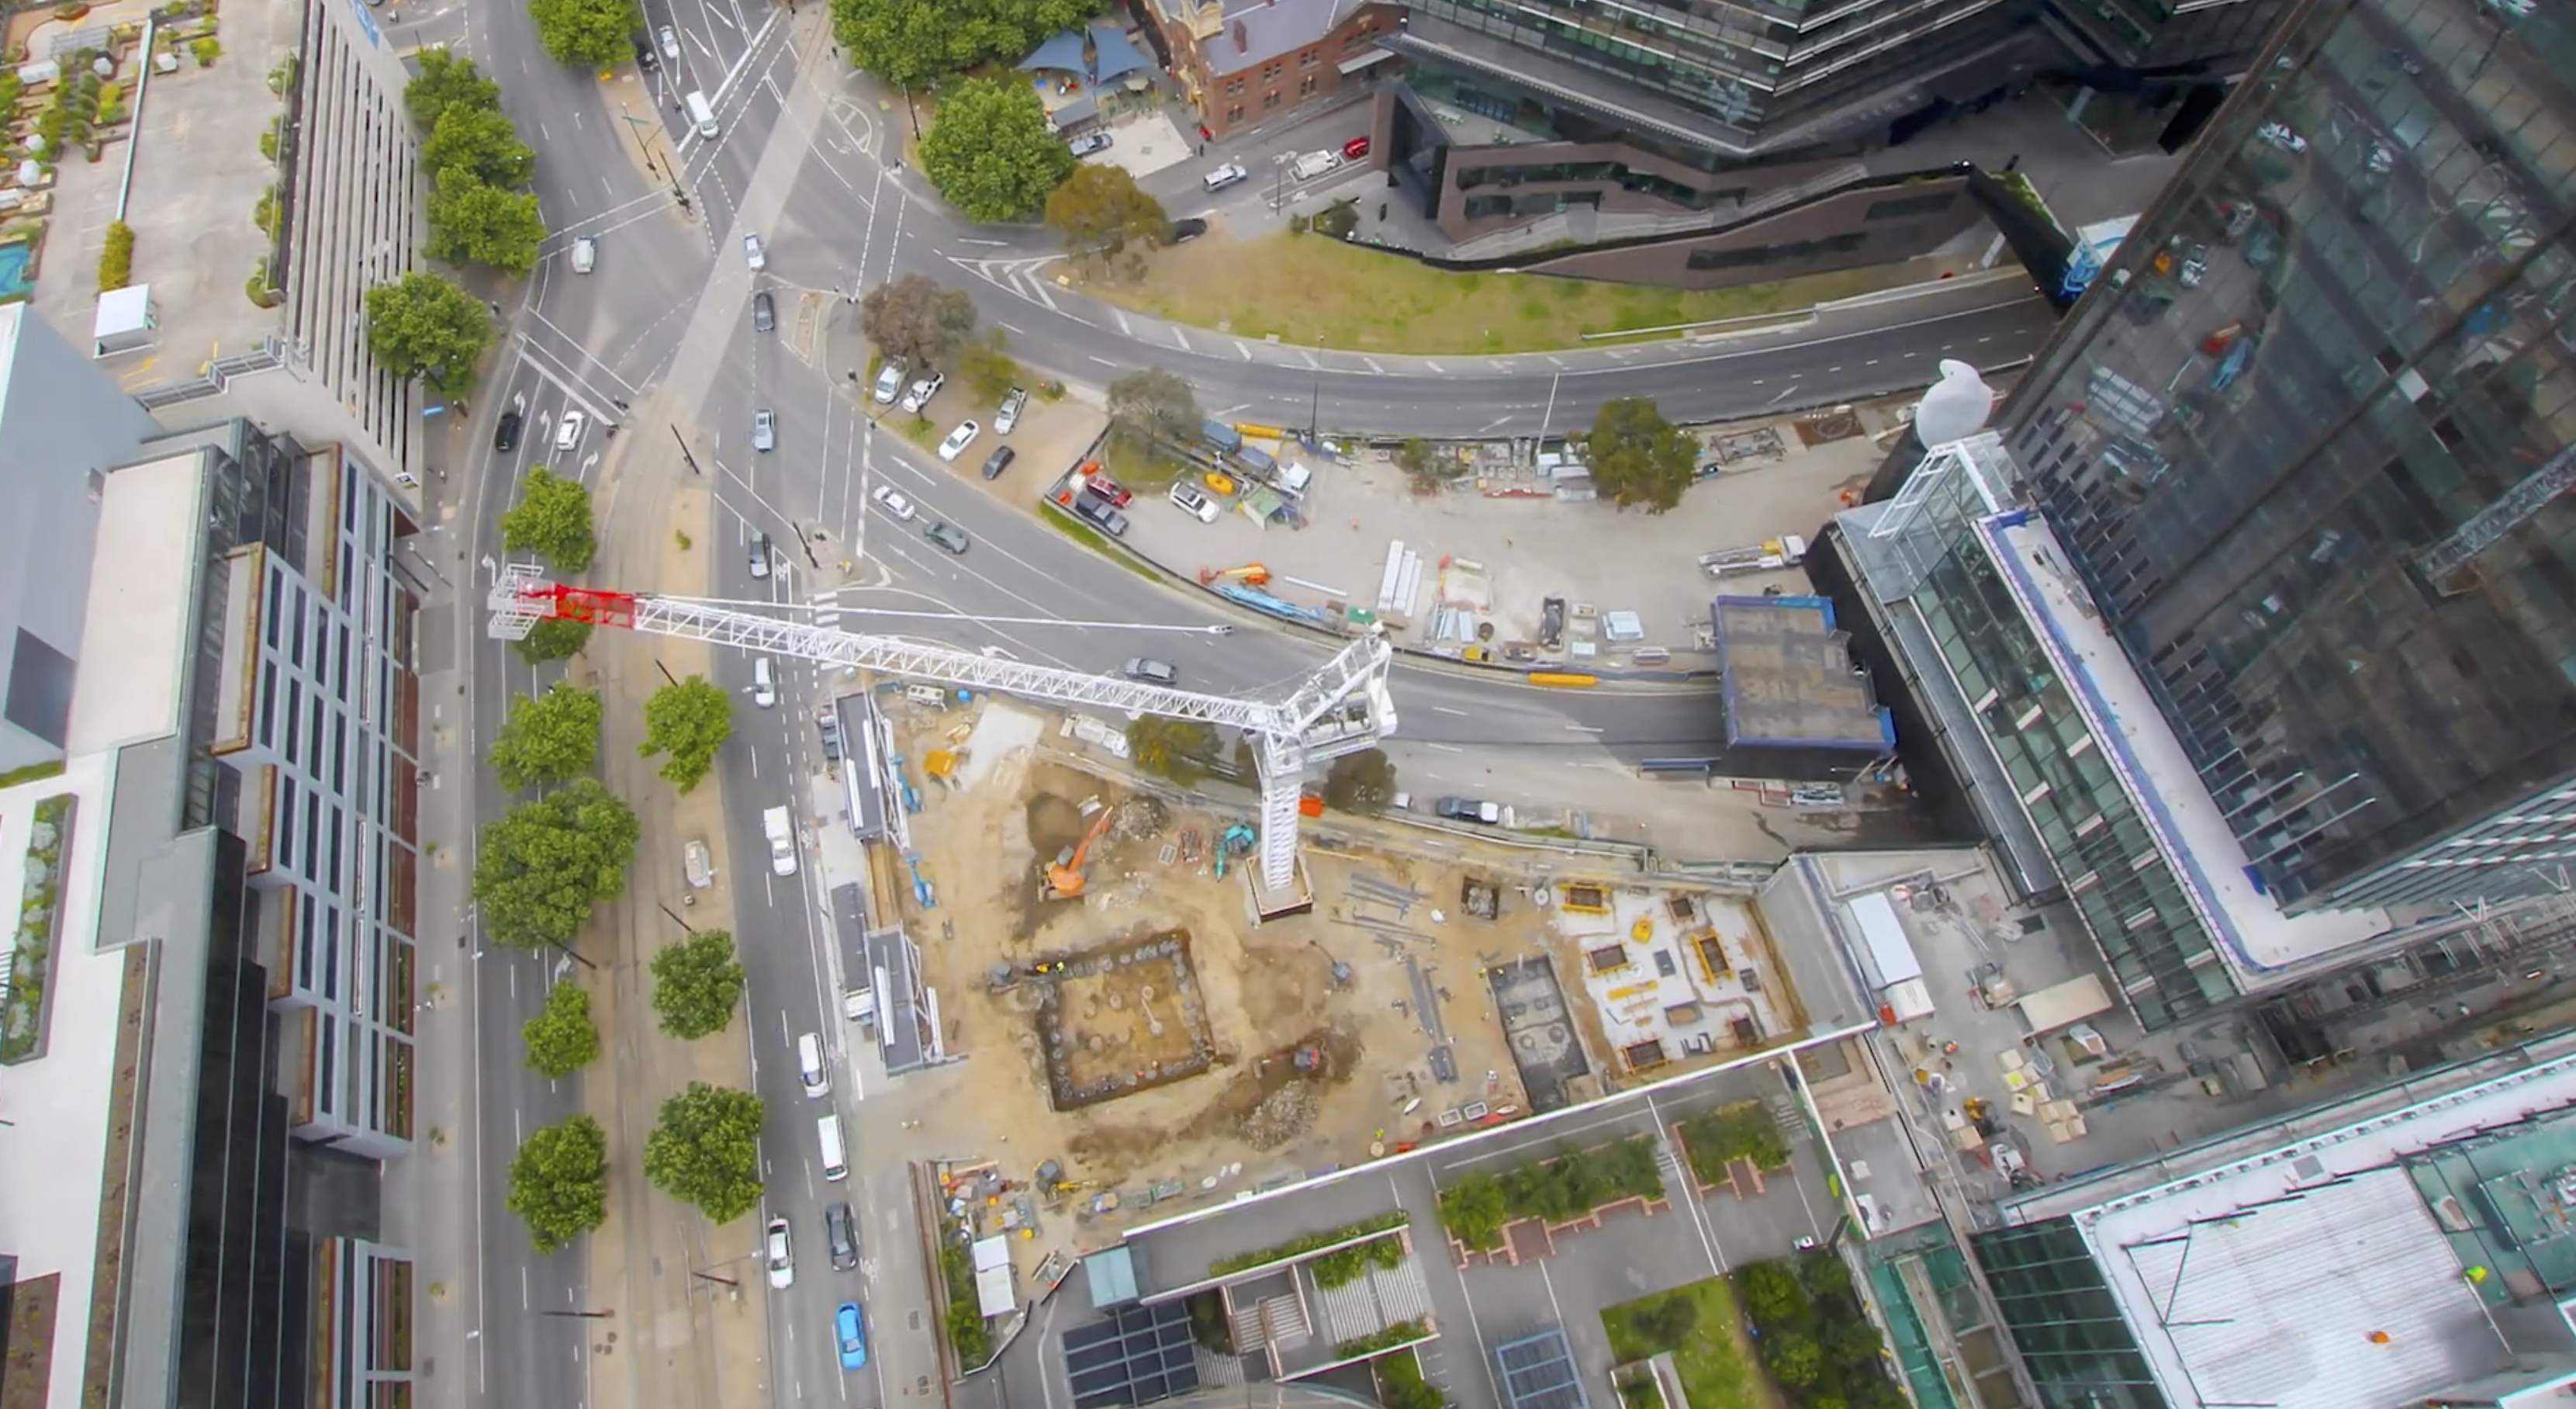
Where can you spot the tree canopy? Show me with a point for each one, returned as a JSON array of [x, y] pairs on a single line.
[[547, 739], [421, 325], [447, 80], [481, 141], [1100, 210], [551, 520], [909, 43], [687, 721], [696, 983], [546, 861], [555, 638], [1153, 407], [1472, 1210], [1178, 749], [559, 1181], [591, 33], [561, 1039], [990, 151], [1637, 457], [705, 1150], [1361, 782], [474, 223], [916, 319]]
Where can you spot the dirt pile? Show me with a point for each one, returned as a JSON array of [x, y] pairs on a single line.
[[1282, 1116]]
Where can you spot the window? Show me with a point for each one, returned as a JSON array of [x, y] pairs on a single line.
[[1234, 88], [268, 704], [1910, 205], [1307, 59], [1234, 114], [1270, 100], [295, 653], [339, 753], [283, 829], [294, 719], [1307, 88], [1270, 73]]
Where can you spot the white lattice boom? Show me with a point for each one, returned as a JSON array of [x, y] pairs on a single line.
[[1342, 708]]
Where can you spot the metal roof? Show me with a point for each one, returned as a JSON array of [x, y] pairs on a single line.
[[1538, 1372], [1137, 1355]]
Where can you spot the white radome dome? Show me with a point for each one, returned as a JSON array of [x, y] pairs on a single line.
[[1955, 408]]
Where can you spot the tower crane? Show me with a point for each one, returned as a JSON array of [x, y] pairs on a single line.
[[1342, 708]]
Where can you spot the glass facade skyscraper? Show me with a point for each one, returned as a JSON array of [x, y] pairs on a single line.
[[2307, 442]]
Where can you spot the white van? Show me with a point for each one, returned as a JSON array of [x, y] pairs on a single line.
[[764, 685], [809, 1064], [702, 113], [585, 255], [836, 1163]]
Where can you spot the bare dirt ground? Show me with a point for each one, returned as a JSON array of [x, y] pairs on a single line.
[[1306, 1068]]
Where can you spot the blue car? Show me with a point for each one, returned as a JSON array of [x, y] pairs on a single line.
[[854, 1340]]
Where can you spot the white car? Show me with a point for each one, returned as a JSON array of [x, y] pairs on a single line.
[[1088, 143], [782, 1258], [764, 430], [752, 254], [1194, 503], [892, 501], [569, 431], [1007, 419], [1227, 175], [670, 43], [922, 391], [890, 380], [2279, 135], [958, 439]]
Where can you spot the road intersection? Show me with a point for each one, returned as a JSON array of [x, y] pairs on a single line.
[[658, 349]]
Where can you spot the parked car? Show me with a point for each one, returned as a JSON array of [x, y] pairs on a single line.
[[759, 556], [829, 723], [1184, 231], [585, 254], [890, 380], [569, 430], [1355, 149], [1150, 671], [1109, 520], [1090, 142], [645, 58], [752, 253], [1467, 809], [764, 430], [842, 1231], [782, 1256], [1007, 419], [764, 312], [670, 43], [2279, 135], [922, 391], [1193, 503], [1098, 482], [851, 1336], [1226, 175], [505, 436], [999, 461], [958, 439], [892, 501], [948, 536]]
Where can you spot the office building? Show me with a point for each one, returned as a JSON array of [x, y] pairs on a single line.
[[2403, 1249], [61, 426], [2248, 629], [207, 1033]]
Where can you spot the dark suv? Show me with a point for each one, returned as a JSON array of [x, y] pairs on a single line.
[[843, 1234], [505, 436], [998, 461]]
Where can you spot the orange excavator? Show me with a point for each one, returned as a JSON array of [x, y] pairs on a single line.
[[1250, 575], [1065, 879]]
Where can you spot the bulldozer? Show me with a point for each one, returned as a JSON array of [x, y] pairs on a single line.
[[1065, 878], [1237, 841]]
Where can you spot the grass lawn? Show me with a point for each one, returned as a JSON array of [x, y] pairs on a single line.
[[1063, 522], [1713, 1357], [1322, 292]]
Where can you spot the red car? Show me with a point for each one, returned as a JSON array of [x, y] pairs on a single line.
[[1104, 488], [1355, 149]]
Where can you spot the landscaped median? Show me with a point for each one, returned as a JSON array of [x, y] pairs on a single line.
[[22, 1012], [1799, 1320], [1348, 1251], [1563, 1190], [1745, 1133]]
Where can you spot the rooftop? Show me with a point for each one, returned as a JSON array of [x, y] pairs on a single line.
[[1790, 681], [2203, 1265], [2260, 943], [135, 638], [1253, 32]]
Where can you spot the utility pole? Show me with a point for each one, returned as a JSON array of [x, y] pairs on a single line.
[[684, 451]]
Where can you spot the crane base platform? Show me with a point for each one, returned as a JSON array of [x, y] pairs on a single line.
[[1267, 904]]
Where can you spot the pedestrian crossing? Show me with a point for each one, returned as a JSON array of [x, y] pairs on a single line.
[[1025, 277], [827, 608]]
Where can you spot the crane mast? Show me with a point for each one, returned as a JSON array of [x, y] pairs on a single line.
[[1340, 709]]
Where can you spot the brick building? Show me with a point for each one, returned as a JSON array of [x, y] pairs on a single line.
[[1249, 62]]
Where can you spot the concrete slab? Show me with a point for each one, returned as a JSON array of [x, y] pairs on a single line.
[[1147, 142]]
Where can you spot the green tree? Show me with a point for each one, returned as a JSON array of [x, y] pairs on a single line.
[[916, 319], [1771, 1294], [1152, 407], [1362, 782], [421, 325], [547, 739], [559, 1181], [481, 142], [1099, 210], [551, 520], [1426, 468], [705, 1150], [687, 721], [989, 367], [1339, 219], [1473, 1210], [561, 1039], [1178, 749], [590, 33], [909, 43], [990, 151], [555, 638], [1667, 1323], [544, 863], [472, 223], [696, 983], [447, 80], [1638, 457], [1795, 1360]]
